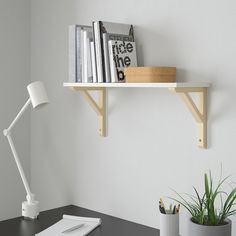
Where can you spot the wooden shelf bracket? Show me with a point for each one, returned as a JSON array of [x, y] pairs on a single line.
[[198, 110], [197, 107], [99, 107]]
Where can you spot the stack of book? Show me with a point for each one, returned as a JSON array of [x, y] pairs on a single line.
[[99, 53]]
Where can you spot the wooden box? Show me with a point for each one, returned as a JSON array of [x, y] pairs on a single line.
[[150, 74]]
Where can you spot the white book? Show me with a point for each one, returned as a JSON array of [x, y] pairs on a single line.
[[86, 57], [68, 222], [89, 59], [78, 55], [72, 54], [94, 72]]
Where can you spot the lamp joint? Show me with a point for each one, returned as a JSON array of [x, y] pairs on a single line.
[[6, 132]]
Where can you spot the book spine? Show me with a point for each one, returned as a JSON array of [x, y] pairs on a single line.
[[114, 77], [102, 52], [98, 54], [106, 58], [89, 61], [78, 55], [72, 54], [85, 58], [93, 62]]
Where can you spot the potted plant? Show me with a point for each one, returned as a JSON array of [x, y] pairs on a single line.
[[210, 212]]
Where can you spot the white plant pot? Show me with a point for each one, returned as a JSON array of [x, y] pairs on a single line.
[[205, 230]]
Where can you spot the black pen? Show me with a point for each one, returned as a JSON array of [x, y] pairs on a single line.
[[162, 206], [162, 210], [174, 210]]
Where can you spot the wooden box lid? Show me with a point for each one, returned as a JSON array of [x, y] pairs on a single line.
[[148, 70]]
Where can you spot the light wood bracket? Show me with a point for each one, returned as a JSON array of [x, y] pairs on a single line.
[[198, 110], [197, 107], [99, 107]]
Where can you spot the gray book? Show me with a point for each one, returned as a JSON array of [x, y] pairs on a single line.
[[94, 69], [106, 58], [109, 28]]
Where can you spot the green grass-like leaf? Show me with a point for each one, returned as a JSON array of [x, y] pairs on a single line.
[[202, 209]]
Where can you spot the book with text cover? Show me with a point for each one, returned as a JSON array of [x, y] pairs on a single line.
[[112, 31], [106, 38], [122, 54]]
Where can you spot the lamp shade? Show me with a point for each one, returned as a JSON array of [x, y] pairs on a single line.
[[37, 93]]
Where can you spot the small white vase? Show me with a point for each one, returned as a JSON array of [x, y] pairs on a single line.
[[169, 224], [205, 230]]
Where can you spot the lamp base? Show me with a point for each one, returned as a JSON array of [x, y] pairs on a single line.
[[30, 210]]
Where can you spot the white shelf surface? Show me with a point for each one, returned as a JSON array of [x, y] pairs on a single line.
[[139, 85]]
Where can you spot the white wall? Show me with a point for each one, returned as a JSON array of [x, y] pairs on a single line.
[[151, 143], [14, 76]]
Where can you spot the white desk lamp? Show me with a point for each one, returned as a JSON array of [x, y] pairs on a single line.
[[38, 97]]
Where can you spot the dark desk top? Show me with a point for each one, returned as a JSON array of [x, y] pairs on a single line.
[[111, 226]]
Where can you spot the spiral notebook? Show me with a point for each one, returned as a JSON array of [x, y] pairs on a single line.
[[69, 222]]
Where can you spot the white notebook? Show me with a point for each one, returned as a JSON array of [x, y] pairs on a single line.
[[67, 222]]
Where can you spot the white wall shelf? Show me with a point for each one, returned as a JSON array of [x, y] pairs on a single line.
[[198, 109], [136, 85]]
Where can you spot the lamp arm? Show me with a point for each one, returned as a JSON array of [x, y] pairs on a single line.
[[18, 116], [19, 166], [7, 133]]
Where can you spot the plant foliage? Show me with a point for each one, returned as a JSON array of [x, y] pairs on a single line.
[[203, 209]]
